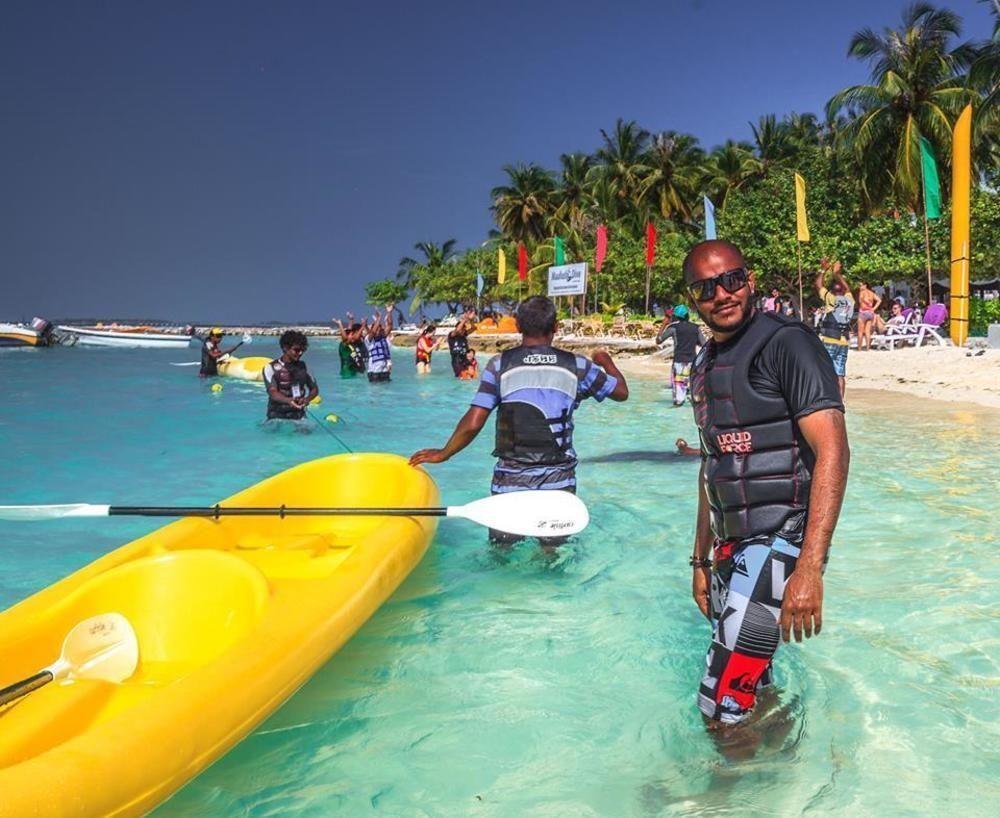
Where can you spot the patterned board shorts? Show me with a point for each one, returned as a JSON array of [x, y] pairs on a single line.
[[748, 585], [838, 354]]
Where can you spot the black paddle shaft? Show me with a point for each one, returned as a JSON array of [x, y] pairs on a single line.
[[278, 511], [23, 688]]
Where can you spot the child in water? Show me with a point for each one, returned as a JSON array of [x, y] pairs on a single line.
[[471, 371]]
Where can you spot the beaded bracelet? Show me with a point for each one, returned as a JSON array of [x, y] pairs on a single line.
[[700, 562]]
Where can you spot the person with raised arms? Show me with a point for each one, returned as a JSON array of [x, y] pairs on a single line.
[[774, 469], [376, 339], [351, 350], [458, 342], [290, 387], [535, 389]]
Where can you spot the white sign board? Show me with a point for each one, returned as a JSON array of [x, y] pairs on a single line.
[[568, 279]]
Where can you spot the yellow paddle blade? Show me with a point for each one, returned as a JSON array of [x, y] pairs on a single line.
[[102, 647]]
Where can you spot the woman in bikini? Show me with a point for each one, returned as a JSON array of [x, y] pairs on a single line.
[[868, 303]]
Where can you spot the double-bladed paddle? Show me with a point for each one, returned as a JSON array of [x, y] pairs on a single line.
[[524, 513]]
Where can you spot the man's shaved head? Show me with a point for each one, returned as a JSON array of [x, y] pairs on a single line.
[[725, 312], [713, 249]]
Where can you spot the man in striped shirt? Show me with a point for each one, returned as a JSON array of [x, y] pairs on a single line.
[[535, 388]]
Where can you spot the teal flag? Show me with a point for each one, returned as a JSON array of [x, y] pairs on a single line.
[[932, 187], [560, 251]]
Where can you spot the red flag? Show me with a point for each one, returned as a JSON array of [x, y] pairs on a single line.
[[602, 246], [650, 244], [522, 261]]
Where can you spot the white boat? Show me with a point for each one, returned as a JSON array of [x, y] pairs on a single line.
[[126, 337]]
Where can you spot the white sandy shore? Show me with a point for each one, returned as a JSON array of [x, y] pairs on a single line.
[[939, 373]]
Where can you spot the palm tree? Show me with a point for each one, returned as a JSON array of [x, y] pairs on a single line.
[[411, 270], [521, 207], [571, 219], [621, 164], [675, 165], [772, 140], [730, 167], [984, 77], [916, 90]]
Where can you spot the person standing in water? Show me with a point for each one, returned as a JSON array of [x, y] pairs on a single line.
[[835, 323], [212, 352], [425, 349], [377, 350], [290, 387], [535, 389], [687, 342], [351, 350], [458, 342], [774, 469]]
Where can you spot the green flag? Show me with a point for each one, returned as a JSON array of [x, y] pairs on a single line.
[[560, 251], [932, 188]]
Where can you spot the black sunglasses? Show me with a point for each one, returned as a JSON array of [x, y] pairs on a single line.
[[731, 281]]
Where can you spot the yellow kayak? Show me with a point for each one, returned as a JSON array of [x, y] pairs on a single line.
[[232, 617], [246, 369]]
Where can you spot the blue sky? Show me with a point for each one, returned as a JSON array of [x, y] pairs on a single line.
[[224, 162]]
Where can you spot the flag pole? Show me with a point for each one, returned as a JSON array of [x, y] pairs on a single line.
[[798, 245], [927, 230]]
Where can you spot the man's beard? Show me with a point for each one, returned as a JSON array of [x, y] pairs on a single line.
[[729, 328]]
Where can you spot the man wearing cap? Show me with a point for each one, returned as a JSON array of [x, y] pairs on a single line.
[[211, 352], [687, 342]]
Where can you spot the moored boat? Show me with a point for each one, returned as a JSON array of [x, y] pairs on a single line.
[[126, 337], [232, 616], [37, 334]]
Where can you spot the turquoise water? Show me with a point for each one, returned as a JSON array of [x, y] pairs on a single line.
[[522, 686]]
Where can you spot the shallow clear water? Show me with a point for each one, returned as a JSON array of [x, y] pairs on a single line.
[[520, 686]]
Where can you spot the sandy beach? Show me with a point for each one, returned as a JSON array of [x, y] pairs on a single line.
[[939, 373]]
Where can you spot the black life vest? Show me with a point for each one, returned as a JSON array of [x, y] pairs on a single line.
[[293, 381], [541, 375], [758, 467]]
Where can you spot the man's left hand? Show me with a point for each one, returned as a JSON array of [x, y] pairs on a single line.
[[802, 608]]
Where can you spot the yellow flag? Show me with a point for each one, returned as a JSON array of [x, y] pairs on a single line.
[[501, 266], [801, 223]]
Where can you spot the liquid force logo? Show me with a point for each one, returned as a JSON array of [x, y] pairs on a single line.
[[540, 359], [734, 442]]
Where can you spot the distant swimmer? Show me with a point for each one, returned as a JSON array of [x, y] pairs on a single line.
[[774, 468], [376, 338], [535, 388], [211, 352], [290, 387], [471, 371], [425, 349]]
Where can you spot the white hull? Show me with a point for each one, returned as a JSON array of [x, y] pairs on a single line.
[[134, 340]]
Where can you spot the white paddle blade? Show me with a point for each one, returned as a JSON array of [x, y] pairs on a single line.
[[247, 338], [186, 363], [103, 647], [26, 513], [528, 513]]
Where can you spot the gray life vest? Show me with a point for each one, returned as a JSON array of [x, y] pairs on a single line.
[[528, 430], [758, 467]]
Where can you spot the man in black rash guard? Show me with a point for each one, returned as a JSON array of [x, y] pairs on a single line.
[[290, 387], [211, 352], [687, 342], [774, 468], [458, 343]]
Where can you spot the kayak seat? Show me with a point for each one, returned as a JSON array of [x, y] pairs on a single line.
[[187, 608], [296, 556]]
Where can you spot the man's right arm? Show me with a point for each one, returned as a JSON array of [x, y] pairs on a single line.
[[465, 432], [701, 580]]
